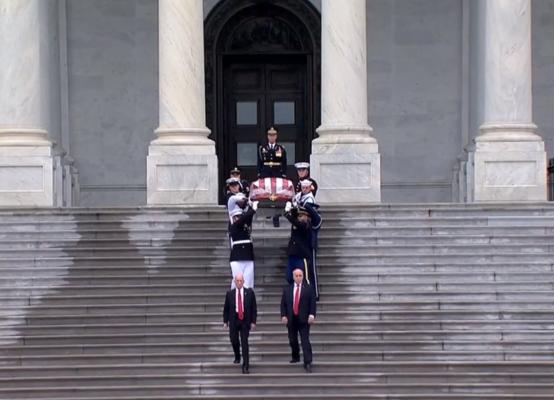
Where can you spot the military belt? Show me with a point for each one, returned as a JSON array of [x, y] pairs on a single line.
[[272, 164]]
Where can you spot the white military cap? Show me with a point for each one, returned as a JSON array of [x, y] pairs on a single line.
[[230, 181], [300, 165], [305, 183]]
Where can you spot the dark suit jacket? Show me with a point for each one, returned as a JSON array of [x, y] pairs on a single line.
[[307, 304], [250, 310]]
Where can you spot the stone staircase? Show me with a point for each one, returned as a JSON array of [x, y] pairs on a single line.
[[417, 302]]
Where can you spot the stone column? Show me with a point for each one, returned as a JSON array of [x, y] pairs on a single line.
[[26, 169], [182, 165], [345, 158], [508, 159]]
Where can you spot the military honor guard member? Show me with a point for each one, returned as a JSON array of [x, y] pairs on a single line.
[[239, 316], [303, 171], [298, 311], [244, 185], [241, 258], [272, 157]]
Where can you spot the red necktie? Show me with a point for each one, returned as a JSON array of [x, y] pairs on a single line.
[[241, 310], [296, 300]]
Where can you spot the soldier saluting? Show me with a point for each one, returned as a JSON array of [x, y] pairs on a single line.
[[272, 157]]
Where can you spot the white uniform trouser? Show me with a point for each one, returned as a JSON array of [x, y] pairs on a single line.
[[246, 268]]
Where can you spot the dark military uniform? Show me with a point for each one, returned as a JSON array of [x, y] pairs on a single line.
[[298, 188], [272, 162], [300, 247]]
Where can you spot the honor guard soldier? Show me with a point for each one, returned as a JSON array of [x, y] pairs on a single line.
[[303, 171], [241, 258], [272, 158], [244, 185]]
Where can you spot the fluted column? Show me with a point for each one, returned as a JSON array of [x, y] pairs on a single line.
[[345, 158], [26, 171], [182, 165], [509, 159]]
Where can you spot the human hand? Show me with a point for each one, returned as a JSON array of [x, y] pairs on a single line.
[[252, 326], [311, 319], [225, 326], [284, 320], [288, 206], [255, 205]]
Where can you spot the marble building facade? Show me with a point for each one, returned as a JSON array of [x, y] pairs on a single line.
[[102, 102]]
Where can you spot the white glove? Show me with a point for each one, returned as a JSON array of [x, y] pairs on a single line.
[[254, 205], [288, 206]]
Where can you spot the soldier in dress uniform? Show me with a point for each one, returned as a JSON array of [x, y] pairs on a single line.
[[272, 157], [241, 258], [244, 185], [300, 250], [303, 171]]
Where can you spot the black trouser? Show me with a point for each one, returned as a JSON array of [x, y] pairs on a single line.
[[295, 327], [243, 329]]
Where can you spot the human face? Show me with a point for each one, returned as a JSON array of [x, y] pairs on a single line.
[[239, 281], [272, 138], [303, 218], [306, 189], [235, 175], [298, 275], [234, 188], [302, 173]]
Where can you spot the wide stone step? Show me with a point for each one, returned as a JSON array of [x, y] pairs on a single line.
[[275, 288], [15, 338], [28, 278], [267, 239], [338, 305], [278, 389], [259, 346], [291, 378], [272, 313]]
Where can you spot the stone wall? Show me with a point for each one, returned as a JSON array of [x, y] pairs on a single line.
[[113, 96]]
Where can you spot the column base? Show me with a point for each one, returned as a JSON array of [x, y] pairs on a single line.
[[507, 167], [346, 163], [26, 176], [181, 174]]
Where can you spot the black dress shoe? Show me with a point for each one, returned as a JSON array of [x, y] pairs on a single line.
[[276, 221], [308, 368], [245, 370], [294, 361], [236, 361]]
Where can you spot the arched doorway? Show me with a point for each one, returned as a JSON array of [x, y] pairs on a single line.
[[262, 69]]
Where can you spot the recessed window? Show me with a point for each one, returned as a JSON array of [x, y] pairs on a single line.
[[247, 154], [283, 112], [290, 147], [247, 113]]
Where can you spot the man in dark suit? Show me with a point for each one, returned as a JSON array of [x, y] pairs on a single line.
[[239, 315], [298, 310]]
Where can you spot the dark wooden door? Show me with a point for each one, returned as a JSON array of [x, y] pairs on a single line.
[[260, 92]]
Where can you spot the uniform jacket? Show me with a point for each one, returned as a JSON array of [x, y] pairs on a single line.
[[250, 310], [307, 304], [277, 155], [239, 230], [300, 236]]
